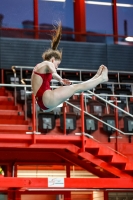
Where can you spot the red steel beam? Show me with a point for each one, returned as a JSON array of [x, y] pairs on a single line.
[[68, 170], [2, 75], [64, 32], [80, 20], [69, 183], [38, 146], [27, 140], [36, 19], [46, 141], [106, 195], [67, 196], [115, 24], [46, 138]]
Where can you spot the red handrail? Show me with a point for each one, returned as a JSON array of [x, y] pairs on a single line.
[[2, 76], [63, 32]]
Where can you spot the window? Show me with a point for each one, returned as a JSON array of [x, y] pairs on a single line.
[[125, 17], [50, 12], [99, 19], [14, 12]]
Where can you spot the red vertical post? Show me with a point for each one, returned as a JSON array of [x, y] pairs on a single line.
[[2, 75], [80, 20], [33, 117], [116, 125], [15, 170], [17, 195], [82, 121], [11, 195], [68, 171], [115, 19], [64, 117], [9, 170], [67, 196], [106, 195], [36, 18], [33, 113]]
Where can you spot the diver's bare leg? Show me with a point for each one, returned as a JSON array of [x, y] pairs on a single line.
[[52, 98]]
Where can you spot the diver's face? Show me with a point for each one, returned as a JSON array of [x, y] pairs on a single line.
[[56, 63]]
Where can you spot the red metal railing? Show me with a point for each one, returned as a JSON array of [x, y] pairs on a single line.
[[35, 33]]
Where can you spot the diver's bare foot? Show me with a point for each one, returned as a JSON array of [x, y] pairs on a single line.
[[104, 74], [99, 72]]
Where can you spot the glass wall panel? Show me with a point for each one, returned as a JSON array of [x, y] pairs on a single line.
[[15, 13], [50, 12], [125, 17], [3, 196], [120, 195], [99, 19]]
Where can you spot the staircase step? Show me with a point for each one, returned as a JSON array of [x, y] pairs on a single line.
[[91, 143], [10, 117], [129, 166], [14, 131], [104, 151], [5, 99], [101, 152], [106, 158], [8, 107], [98, 149], [119, 165], [4, 104], [13, 121], [2, 92], [14, 127], [130, 172], [11, 113], [92, 150], [118, 158]]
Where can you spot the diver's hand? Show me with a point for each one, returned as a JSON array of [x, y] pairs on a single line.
[[65, 82]]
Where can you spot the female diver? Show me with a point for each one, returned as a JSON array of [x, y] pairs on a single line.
[[43, 72]]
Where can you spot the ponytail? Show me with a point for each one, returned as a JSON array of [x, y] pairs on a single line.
[[53, 52], [56, 37]]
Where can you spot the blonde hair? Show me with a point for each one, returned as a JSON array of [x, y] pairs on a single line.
[[53, 52]]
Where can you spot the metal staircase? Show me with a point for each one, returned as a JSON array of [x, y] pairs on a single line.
[[11, 116], [99, 159]]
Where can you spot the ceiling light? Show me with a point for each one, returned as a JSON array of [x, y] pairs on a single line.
[[99, 3], [55, 0], [124, 5], [129, 39], [108, 4]]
